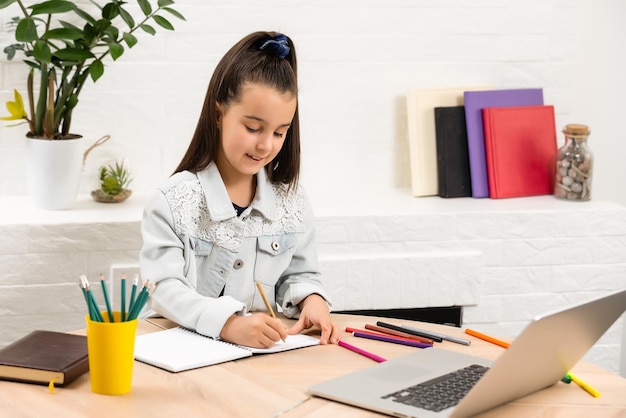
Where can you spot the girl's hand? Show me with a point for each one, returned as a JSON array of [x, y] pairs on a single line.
[[314, 313], [257, 330]]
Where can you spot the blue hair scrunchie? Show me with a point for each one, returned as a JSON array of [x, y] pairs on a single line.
[[277, 45]]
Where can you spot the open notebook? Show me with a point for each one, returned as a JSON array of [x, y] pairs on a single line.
[[179, 349]]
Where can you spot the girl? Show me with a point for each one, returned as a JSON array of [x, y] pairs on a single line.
[[233, 213]]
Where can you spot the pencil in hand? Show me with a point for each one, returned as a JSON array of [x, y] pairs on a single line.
[[265, 300]]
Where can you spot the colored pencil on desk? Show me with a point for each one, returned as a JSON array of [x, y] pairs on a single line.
[[381, 334], [390, 331], [393, 340], [409, 331], [360, 351], [450, 338], [487, 338], [592, 391]]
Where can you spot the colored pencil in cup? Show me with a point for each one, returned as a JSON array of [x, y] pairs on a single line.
[[105, 293], [123, 297]]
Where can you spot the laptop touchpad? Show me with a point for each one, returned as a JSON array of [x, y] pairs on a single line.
[[399, 372]]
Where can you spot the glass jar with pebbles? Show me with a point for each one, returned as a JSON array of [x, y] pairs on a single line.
[[574, 162]]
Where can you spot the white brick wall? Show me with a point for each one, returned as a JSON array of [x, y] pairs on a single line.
[[505, 261]]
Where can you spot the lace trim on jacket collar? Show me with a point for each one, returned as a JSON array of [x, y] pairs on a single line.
[[191, 217]]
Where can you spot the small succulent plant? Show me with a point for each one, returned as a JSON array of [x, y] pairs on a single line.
[[114, 178]]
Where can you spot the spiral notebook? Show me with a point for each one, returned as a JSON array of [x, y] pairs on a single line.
[[179, 349]]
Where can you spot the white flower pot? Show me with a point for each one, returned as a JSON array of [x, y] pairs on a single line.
[[53, 172]]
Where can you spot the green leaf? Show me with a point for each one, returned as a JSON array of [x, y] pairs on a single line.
[[73, 54], [110, 11], [163, 22], [6, 3], [146, 8], [52, 7], [147, 28], [10, 50], [130, 39], [174, 12], [112, 32], [68, 25], [116, 50], [164, 3], [33, 64], [63, 33], [96, 69], [26, 30], [85, 16], [41, 52], [126, 17]]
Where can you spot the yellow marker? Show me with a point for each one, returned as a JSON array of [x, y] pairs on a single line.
[[51, 385], [593, 392]]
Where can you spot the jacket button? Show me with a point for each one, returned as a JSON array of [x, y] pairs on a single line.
[[238, 264], [275, 245]]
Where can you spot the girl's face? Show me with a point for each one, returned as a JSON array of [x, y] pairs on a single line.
[[253, 130]]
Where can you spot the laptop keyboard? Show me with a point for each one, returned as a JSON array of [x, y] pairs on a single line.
[[442, 392]]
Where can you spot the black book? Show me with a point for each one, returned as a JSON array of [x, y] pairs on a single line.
[[453, 165]]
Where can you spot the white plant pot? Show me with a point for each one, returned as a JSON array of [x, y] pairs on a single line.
[[53, 172]]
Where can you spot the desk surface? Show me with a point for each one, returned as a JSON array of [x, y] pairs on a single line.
[[276, 385]]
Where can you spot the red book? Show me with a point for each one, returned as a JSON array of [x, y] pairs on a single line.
[[520, 150]]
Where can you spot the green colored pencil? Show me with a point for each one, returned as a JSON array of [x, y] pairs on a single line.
[[133, 291], [106, 298], [123, 293], [82, 285]]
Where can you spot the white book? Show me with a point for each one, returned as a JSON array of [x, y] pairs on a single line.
[[421, 104], [179, 349]]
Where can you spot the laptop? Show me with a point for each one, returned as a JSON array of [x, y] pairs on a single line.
[[539, 357]]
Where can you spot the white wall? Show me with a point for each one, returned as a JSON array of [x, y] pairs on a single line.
[[357, 60]]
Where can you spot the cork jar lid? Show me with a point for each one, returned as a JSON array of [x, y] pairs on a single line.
[[576, 130]]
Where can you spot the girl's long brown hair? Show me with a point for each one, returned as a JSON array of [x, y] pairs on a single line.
[[246, 62]]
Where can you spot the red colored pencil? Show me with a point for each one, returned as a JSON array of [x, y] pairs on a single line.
[[398, 333]]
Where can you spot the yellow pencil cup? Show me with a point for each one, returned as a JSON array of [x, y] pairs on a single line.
[[111, 346]]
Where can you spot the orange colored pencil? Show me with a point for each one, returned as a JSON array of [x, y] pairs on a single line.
[[487, 338]]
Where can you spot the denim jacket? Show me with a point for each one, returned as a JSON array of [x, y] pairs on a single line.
[[205, 259]]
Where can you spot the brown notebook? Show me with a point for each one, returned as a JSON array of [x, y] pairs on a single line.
[[42, 356]]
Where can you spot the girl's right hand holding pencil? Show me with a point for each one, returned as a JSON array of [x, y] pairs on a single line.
[[258, 330]]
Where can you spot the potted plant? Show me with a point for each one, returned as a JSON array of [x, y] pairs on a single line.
[[65, 45], [114, 179]]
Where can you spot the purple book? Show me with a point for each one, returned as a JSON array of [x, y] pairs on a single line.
[[475, 101]]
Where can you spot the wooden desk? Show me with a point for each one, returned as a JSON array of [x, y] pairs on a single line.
[[275, 385]]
